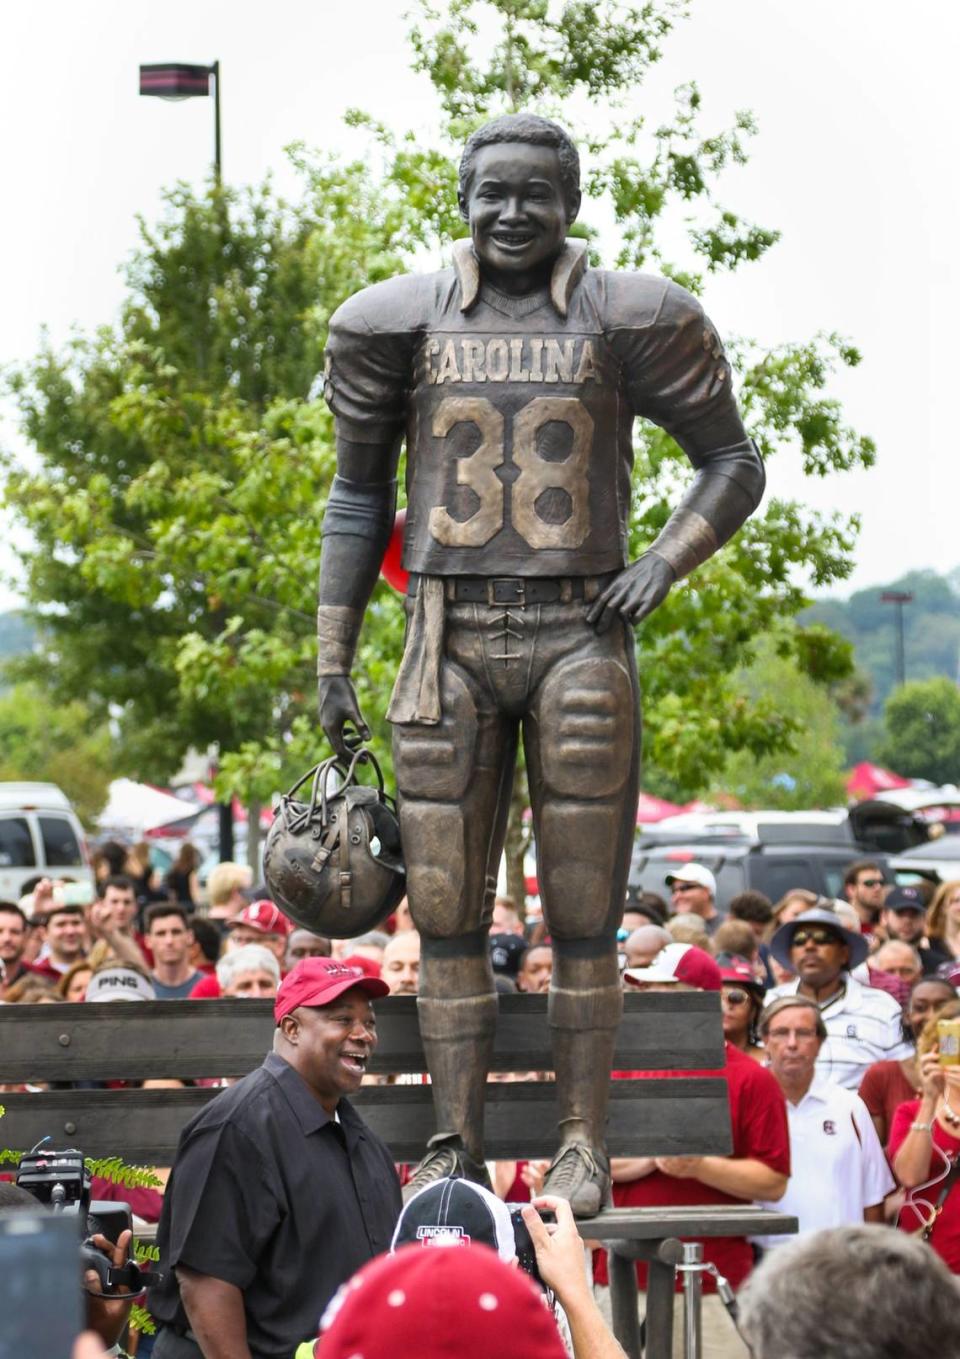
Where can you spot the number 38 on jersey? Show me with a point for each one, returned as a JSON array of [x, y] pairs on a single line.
[[519, 456], [550, 502]]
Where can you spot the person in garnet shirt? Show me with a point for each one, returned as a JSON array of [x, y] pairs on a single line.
[[925, 1145], [758, 1167], [888, 1084]]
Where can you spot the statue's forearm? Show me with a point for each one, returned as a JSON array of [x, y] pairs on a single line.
[[356, 529], [724, 494]]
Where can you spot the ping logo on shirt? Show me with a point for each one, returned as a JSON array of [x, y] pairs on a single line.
[[442, 1236]]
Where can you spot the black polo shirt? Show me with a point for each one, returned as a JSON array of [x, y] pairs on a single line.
[[270, 1193]]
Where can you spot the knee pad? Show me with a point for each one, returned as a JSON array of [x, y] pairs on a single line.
[[579, 857]]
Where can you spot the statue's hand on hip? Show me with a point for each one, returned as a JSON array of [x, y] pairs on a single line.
[[339, 710], [639, 589]]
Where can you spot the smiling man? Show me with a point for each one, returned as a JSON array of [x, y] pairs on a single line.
[[279, 1190], [516, 376]]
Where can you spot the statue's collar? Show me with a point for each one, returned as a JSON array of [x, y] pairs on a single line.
[[567, 273]]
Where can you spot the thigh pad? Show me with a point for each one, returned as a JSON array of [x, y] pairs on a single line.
[[587, 723]]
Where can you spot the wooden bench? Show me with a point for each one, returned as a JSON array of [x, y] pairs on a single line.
[[191, 1039]]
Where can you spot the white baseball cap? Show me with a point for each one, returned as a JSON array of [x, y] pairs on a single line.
[[679, 963], [694, 873], [119, 983]]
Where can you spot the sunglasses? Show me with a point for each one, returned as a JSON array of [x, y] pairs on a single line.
[[735, 998], [686, 886], [871, 882], [818, 937]]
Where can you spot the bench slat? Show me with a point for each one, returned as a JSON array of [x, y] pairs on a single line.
[[190, 1039], [651, 1117]]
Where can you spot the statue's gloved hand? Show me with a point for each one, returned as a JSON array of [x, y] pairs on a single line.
[[339, 710], [637, 591]]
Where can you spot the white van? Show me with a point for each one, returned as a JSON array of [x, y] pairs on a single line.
[[40, 835]]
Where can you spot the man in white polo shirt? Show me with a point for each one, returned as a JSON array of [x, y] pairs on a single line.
[[862, 1023], [838, 1173]]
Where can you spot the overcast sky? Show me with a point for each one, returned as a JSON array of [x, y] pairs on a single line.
[[856, 163]]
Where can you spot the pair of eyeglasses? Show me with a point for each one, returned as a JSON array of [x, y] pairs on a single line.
[[871, 882], [734, 997], [686, 886], [818, 937]]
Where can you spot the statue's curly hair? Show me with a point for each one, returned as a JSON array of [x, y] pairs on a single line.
[[534, 130]]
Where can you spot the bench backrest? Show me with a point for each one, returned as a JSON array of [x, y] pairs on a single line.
[[192, 1039]]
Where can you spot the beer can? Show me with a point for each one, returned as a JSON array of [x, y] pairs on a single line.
[[948, 1038]]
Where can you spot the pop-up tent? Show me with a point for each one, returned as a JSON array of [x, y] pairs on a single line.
[[134, 808]]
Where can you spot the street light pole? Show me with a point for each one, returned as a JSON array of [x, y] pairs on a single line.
[[899, 598], [215, 73], [177, 80]]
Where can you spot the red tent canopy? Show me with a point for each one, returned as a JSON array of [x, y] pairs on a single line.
[[651, 808], [867, 780]]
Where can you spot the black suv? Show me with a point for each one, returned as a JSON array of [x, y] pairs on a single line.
[[772, 862]]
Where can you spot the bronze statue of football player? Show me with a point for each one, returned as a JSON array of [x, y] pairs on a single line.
[[515, 377]]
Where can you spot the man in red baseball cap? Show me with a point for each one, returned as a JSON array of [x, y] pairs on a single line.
[[279, 1190], [261, 923]]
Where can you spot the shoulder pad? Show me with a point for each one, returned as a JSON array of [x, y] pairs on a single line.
[[637, 301], [401, 305]]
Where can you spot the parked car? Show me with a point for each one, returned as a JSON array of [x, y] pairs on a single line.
[[40, 836], [765, 852], [937, 861]]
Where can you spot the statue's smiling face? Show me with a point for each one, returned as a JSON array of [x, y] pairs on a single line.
[[516, 207]]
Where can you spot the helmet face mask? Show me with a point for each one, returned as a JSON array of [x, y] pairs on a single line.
[[334, 864]]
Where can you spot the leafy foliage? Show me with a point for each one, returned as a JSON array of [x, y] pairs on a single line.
[[805, 769], [56, 743], [118, 1172], [182, 459], [141, 1320], [922, 721]]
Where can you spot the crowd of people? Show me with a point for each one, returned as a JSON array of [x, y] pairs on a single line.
[[844, 1111]]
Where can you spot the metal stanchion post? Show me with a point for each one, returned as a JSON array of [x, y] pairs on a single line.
[[692, 1269]]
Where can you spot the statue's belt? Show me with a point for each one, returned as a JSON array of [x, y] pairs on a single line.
[[516, 591], [416, 694]]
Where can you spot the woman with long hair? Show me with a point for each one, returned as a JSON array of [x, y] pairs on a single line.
[[146, 880], [943, 920], [181, 881], [924, 1147], [888, 1084]]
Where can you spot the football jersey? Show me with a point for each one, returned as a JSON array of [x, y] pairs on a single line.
[[519, 411]]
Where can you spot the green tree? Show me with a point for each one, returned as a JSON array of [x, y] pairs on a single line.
[[807, 769], [922, 721], [181, 474], [181, 459], [485, 57], [56, 744]]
